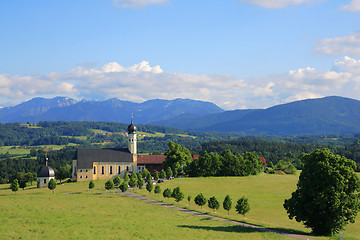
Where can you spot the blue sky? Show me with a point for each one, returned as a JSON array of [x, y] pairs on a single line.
[[236, 53]]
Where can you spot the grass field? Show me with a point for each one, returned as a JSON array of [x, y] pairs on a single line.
[[40, 214], [266, 194], [14, 151]]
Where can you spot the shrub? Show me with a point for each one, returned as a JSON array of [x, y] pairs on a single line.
[[116, 181], [109, 184], [157, 189], [91, 184], [167, 193], [242, 206], [123, 186], [200, 200]]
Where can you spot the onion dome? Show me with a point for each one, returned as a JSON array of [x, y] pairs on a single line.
[[46, 171], [131, 128]]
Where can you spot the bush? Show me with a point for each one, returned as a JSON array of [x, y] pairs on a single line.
[[132, 182], [91, 184], [227, 204], [157, 189], [109, 184], [124, 186], [213, 203], [242, 206], [52, 184], [116, 181], [177, 194], [269, 170], [200, 200], [167, 193], [149, 185]]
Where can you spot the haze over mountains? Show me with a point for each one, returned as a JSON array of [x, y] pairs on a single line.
[[329, 115]]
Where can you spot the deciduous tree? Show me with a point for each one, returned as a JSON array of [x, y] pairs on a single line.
[[200, 200], [116, 180], [177, 194], [227, 204], [124, 186], [242, 206], [327, 197], [157, 189], [14, 185], [167, 193], [52, 184], [91, 184], [109, 184], [149, 185], [213, 203]]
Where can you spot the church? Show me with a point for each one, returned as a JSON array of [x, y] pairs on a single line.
[[93, 164]]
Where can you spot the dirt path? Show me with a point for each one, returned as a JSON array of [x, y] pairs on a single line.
[[289, 235]]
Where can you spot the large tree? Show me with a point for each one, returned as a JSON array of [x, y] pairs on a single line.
[[326, 198], [177, 158]]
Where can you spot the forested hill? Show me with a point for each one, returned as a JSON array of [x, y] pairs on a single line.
[[329, 115]]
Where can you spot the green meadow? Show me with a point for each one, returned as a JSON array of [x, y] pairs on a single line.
[[74, 212], [266, 194]]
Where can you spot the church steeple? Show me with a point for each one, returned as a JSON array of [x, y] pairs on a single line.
[[132, 137]]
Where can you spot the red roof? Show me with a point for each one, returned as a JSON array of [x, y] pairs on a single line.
[[150, 159]]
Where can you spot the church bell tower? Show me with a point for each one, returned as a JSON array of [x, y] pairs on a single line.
[[132, 137], [132, 146]]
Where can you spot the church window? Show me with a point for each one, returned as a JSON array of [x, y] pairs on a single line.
[[86, 176], [119, 169], [45, 180], [94, 169], [80, 170], [86, 170], [127, 168], [111, 170], [102, 170], [80, 176]]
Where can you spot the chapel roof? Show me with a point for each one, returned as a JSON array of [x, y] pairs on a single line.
[[46, 171], [86, 157]]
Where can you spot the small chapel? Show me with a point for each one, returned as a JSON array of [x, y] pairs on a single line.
[[45, 174]]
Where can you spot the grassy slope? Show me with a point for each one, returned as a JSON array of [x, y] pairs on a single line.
[[266, 194], [40, 214]]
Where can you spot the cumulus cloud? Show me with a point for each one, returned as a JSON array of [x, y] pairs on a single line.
[[142, 82], [348, 45], [354, 6], [137, 3], [276, 3], [343, 80]]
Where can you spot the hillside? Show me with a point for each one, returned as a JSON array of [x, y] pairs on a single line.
[[329, 115]]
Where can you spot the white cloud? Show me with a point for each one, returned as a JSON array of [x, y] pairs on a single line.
[[354, 6], [137, 3], [276, 3], [342, 80], [142, 82], [348, 45]]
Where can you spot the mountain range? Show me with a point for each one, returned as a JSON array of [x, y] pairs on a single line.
[[328, 115]]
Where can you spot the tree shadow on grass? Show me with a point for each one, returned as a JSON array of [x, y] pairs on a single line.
[[235, 228]]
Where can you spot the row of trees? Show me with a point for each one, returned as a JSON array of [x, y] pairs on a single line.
[[178, 159], [226, 164]]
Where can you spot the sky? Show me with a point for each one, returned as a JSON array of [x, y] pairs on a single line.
[[238, 54]]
